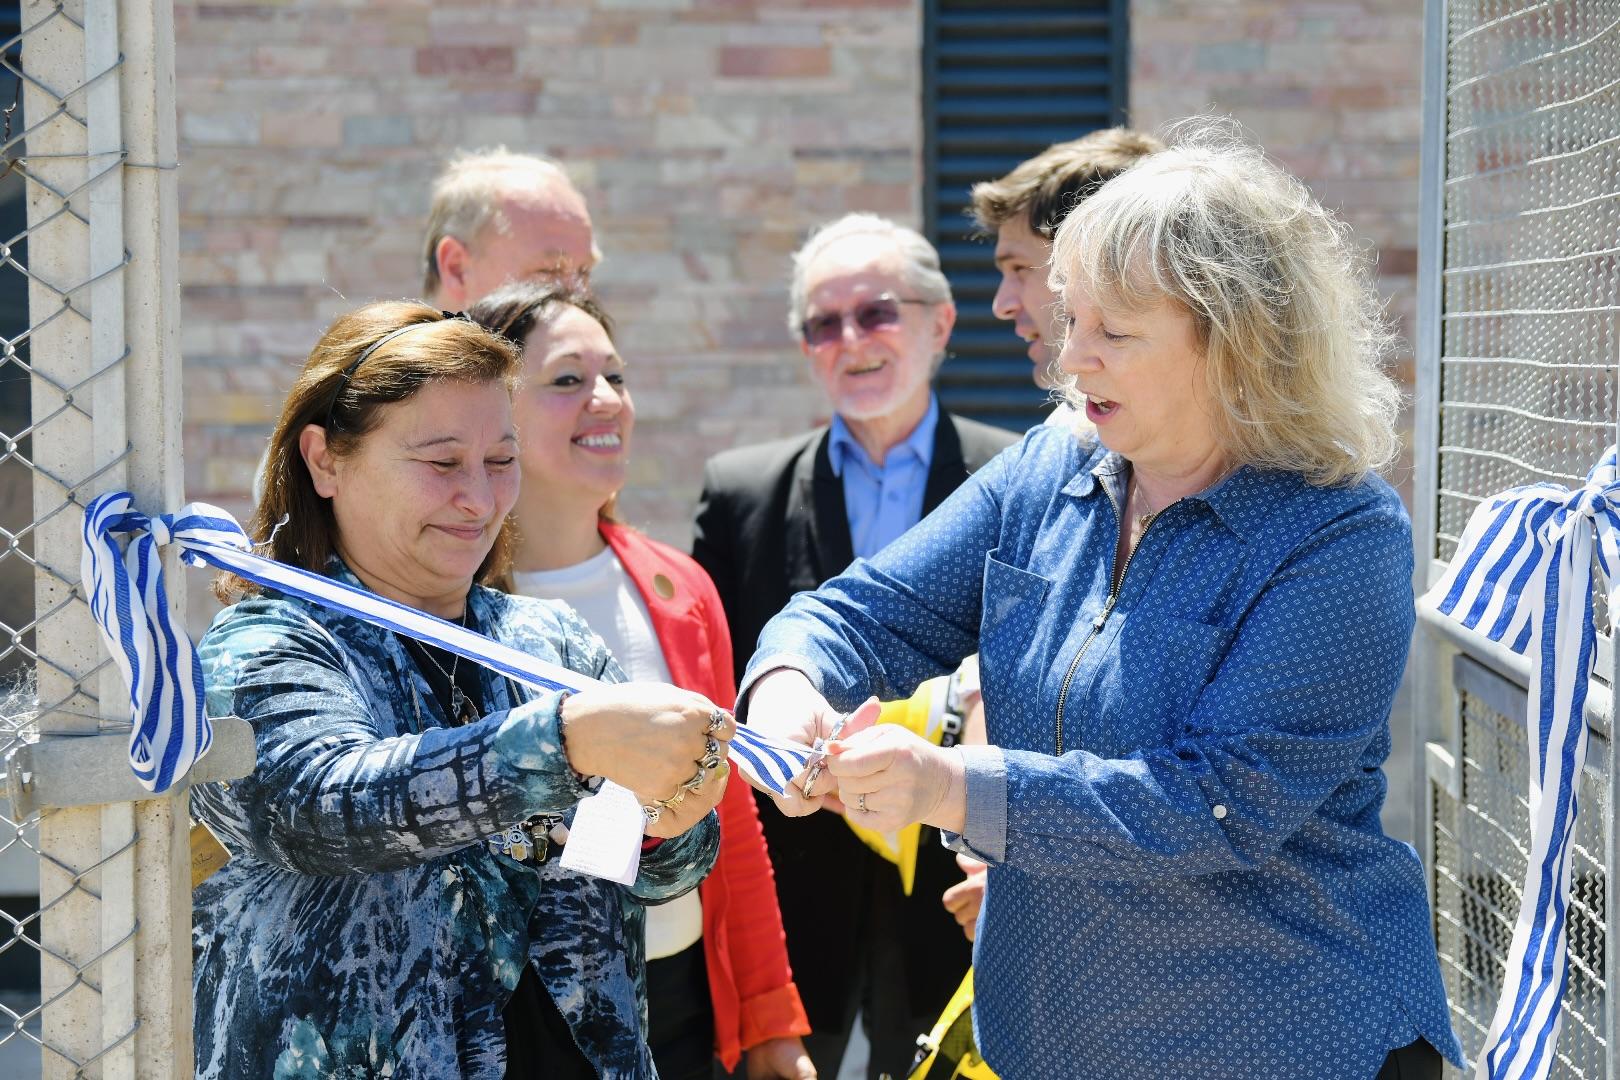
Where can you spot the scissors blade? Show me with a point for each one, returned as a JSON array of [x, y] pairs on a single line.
[[818, 751]]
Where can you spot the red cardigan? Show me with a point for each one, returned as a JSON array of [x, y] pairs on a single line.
[[750, 982]]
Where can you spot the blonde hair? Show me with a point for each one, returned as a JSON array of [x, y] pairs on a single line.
[[467, 197], [1293, 332]]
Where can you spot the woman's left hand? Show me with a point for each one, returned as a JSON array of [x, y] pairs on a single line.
[[888, 778], [675, 816]]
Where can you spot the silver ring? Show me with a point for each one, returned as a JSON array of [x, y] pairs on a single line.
[[697, 780], [652, 813], [711, 754], [717, 721], [860, 802]]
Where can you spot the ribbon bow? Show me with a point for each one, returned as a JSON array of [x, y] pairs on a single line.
[[1522, 576], [160, 666]]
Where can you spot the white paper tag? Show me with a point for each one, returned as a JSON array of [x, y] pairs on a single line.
[[605, 839]]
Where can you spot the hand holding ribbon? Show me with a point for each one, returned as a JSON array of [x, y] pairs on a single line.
[[159, 662]]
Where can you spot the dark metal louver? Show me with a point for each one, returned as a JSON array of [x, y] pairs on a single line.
[[1001, 82]]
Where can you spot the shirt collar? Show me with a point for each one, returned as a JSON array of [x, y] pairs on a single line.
[[841, 442], [1240, 500]]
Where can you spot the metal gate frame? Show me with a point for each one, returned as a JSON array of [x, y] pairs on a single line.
[[1450, 666]]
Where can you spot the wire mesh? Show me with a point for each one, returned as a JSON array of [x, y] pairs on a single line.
[[1480, 844], [1528, 393], [60, 946], [1532, 260]]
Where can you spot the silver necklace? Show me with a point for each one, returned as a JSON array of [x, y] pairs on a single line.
[[461, 707]]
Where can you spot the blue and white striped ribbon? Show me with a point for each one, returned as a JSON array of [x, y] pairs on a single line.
[[159, 662], [1522, 576]]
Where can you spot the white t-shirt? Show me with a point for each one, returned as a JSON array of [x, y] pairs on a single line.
[[608, 601]]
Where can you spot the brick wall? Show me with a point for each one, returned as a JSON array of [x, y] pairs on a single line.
[[1331, 89], [708, 135]]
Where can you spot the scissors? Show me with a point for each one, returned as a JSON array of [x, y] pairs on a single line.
[[818, 754]]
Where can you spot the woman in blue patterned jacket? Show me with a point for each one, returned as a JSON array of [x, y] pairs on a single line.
[[1191, 628], [389, 908]]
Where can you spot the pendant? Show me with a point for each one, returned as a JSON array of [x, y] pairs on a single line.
[[461, 707]]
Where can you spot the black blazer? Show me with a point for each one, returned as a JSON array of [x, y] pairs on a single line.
[[772, 523]]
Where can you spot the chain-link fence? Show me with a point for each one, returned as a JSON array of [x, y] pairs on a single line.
[[94, 884], [1518, 345]]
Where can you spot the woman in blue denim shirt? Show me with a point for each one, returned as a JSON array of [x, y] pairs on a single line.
[[1192, 623], [389, 908]]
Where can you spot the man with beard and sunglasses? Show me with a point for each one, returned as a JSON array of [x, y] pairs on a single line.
[[872, 314]]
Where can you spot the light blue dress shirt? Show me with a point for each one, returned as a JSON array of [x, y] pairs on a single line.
[[1198, 885], [883, 501]]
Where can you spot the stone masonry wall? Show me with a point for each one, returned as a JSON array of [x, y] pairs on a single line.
[[707, 135]]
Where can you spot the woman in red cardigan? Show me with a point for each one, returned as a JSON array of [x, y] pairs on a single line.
[[716, 959]]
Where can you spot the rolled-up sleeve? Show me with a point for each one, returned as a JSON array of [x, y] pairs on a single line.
[[984, 829]]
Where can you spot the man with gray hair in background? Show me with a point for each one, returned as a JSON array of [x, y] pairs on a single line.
[[498, 217], [872, 314]]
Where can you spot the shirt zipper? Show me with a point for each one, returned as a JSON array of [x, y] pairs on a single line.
[[1115, 583]]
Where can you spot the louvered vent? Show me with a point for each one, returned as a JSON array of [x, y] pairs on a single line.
[[1003, 81]]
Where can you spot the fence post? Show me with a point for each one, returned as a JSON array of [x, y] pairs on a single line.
[[99, 160]]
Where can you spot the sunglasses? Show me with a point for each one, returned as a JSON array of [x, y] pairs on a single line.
[[879, 313]]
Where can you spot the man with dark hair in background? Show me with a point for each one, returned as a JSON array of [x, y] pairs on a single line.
[[1023, 209]]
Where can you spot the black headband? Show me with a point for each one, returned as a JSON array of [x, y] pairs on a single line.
[[348, 372]]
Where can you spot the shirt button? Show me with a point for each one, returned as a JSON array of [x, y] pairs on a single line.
[[1219, 811]]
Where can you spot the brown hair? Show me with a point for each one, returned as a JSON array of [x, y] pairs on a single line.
[[291, 520], [1045, 188], [513, 311]]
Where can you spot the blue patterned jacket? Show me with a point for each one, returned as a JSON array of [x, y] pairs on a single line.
[[363, 926], [1198, 884]]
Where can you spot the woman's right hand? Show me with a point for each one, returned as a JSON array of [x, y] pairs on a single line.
[[648, 737], [784, 704]]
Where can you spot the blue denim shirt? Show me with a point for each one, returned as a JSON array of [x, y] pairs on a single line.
[[1199, 886], [364, 926], [882, 501]]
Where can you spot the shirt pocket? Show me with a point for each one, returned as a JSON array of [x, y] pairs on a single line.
[[1162, 664], [1014, 601]]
